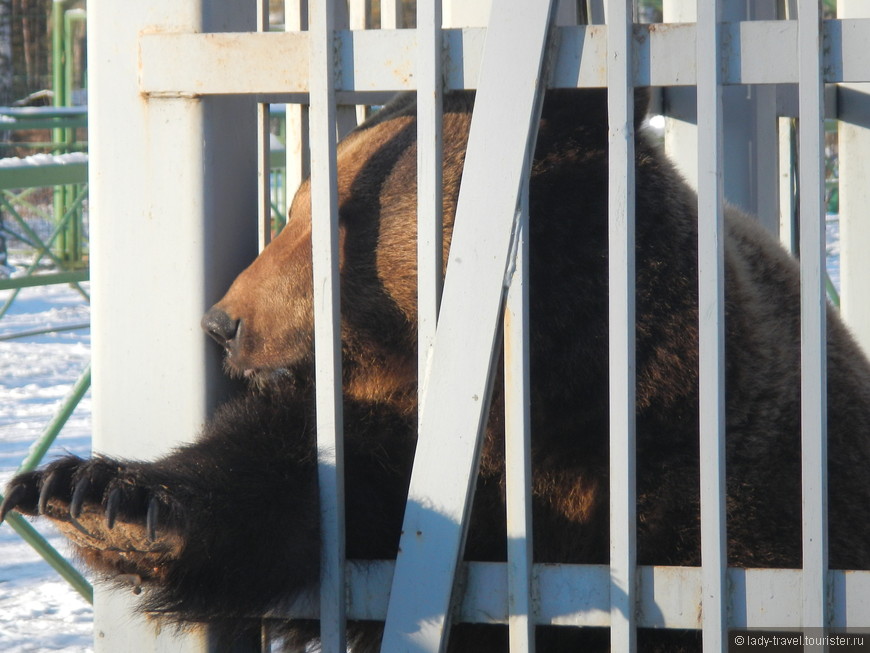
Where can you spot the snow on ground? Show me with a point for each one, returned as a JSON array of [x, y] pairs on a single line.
[[38, 610]]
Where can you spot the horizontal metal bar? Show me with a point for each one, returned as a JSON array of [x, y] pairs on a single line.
[[15, 118], [276, 63], [76, 276], [17, 124], [39, 332], [579, 595], [48, 174]]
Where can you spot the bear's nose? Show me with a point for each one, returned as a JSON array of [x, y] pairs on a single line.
[[220, 326]]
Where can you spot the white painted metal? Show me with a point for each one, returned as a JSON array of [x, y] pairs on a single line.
[[429, 181], [518, 441], [173, 117], [168, 203], [579, 595], [264, 147], [711, 328], [854, 155], [296, 115], [391, 14], [372, 61], [462, 13], [623, 496], [456, 399], [813, 318], [327, 336]]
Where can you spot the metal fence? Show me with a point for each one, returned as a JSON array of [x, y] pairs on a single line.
[[232, 66]]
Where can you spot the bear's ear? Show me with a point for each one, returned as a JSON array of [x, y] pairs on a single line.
[[588, 107]]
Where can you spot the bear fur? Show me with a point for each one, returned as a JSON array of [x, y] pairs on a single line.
[[227, 527]]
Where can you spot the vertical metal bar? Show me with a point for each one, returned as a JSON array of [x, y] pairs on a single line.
[[854, 157], [346, 116], [264, 193], [454, 409], [391, 14], [518, 446], [324, 238], [623, 549], [787, 232], [297, 167], [358, 19], [187, 164], [813, 318], [429, 180], [711, 336]]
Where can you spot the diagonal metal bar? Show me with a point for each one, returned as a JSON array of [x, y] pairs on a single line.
[[69, 573], [455, 402], [49, 435], [44, 248], [34, 457]]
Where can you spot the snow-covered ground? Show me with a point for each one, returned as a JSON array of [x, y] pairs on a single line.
[[38, 610]]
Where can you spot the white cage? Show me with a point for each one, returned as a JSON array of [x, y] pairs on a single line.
[[169, 183]]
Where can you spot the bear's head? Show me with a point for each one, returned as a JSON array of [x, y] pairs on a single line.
[[265, 321]]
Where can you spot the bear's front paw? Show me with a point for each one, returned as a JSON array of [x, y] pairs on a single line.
[[120, 522]]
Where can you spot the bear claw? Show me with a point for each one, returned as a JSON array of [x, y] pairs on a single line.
[[151, 519], [11, 501], [113, 501], [78, 497], [45, 493]]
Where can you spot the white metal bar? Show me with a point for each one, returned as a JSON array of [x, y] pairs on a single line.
[[518, 446], [711, 335], [579, 595], [187, 206], [324, 238], [391, 14], [296, 115], [621, 263], [813, 317], [854, 157], [762, 52], [456, 400], [429, 181], [358, 19], [264, 168]]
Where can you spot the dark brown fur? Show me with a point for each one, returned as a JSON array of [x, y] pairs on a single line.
[[265, 322]]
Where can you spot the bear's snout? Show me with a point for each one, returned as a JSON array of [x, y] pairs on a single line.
[[220, 326]]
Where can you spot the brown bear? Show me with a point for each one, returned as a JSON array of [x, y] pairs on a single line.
[[227, 528]]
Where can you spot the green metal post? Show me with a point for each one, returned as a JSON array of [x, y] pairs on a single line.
[[60, 100], [39, 448], [72, 17], [60, 564]]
